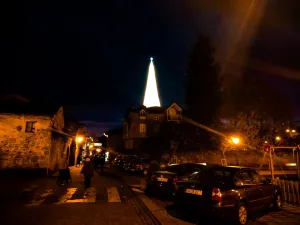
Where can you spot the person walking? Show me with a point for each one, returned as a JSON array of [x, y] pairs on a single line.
[[88, 172], [78, 160], [102, 161], [63, 168]]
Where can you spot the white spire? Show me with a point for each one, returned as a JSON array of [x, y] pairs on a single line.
[[151, 98]]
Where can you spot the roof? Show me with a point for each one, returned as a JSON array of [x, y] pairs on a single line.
[[155, 109], [29, 108]]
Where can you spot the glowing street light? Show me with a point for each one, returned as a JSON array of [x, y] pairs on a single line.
[[79, 139], [278, 138], [234, 140]]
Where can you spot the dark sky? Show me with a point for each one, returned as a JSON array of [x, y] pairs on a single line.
[[94, 56]]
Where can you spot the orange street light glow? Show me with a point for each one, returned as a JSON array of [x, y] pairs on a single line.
[[79, 139]]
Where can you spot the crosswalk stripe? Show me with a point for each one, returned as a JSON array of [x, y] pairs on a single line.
[[113, 195], [67, 196], [137, 190], [88, 197], [40, 201]]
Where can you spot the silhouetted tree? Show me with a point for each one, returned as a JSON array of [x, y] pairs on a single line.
[[203, 95], [203, 86]]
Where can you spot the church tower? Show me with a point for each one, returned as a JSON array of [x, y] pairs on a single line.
[[151, 98]]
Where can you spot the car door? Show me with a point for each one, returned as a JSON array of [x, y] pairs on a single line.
[[265, 188], [251, 191]]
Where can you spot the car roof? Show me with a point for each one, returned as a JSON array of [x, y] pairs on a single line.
[[229, 168]]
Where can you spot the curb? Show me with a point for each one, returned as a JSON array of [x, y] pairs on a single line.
[[160, 214], [140, 204]]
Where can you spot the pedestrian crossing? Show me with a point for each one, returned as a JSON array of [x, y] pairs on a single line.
[[70, 195]]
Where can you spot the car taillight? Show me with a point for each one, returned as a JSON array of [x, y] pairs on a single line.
[[216, 195], [175, 180], [153, 177]]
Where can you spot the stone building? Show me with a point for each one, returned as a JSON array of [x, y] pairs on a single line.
[[146, 122], [32, 136]]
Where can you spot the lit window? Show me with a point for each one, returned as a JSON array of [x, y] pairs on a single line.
[[30, 127], [142, 128]]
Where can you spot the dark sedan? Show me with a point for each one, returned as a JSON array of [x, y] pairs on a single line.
[[229, 192], [163, 181]]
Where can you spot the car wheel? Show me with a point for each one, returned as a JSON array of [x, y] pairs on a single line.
[[242, 214], [278, 203]]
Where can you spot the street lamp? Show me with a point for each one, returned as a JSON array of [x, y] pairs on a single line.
[[79, 139], [278, 138], [234, 140]]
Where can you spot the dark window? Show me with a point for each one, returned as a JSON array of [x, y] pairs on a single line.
[[215, 175], [191, 168], [30, 127], [174, 169], [244, 177], [194, 176], [142, 113], [256, 178], [156, 128], [155, 118]]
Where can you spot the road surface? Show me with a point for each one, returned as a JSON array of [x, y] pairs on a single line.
[[41, 202]]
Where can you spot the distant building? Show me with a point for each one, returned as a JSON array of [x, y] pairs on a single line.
[[146, 122], [33, 136]]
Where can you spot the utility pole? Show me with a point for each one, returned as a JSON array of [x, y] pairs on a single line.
[[298, 162], [271, 163]]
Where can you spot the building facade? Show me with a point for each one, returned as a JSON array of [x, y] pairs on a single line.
[[146, 122], [32, 136]]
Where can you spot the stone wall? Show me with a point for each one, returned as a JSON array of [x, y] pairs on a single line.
[[19, 149]]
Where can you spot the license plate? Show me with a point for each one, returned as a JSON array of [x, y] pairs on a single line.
[[132, 169], [193, 192], [162, 179]]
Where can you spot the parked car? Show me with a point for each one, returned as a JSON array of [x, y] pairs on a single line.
[[117, 160], [139, 165], [163, 181], [128, 161], [227, 192], [125, 161]]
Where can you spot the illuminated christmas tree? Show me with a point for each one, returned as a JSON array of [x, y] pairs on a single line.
[[151, 98]]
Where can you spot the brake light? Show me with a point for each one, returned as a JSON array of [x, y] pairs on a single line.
[[153, 177], [216, 195], [175, 180]]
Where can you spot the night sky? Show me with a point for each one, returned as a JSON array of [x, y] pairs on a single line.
[[94, 57]]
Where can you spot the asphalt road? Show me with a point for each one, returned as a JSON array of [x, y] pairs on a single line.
[[42, 202], [290, 214]]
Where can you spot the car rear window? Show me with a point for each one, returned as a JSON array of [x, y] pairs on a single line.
[[173, 169], [215, 175], [184, 169]]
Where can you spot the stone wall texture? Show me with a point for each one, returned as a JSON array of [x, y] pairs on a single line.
[[19, 149]]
